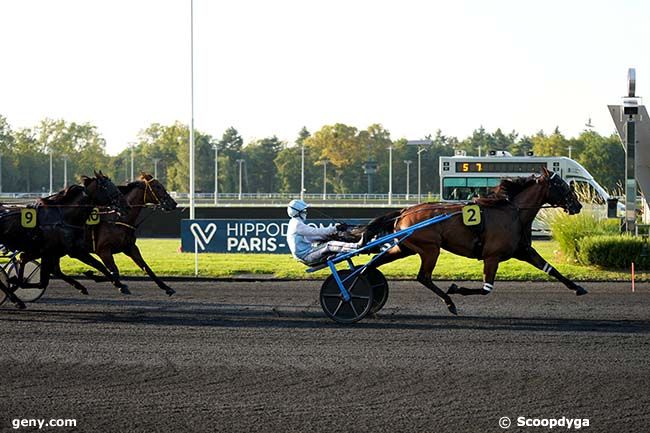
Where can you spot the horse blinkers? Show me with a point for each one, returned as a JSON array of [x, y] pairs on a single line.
[[562, 195]]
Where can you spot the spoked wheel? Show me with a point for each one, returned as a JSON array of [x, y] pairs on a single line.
[[379, 287], [31, 275], [336, 307], [5, 282]]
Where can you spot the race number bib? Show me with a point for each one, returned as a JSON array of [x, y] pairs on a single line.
[[93, 219], [28, 218], [471, 215]]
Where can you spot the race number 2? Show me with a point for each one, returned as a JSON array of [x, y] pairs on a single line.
[[471, 215], [93, 219], [28, 218]]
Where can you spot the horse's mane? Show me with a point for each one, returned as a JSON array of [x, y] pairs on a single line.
[[506, 191], [63, 195], [125, 189]]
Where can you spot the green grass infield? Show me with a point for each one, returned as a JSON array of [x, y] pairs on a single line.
[[163, 257]]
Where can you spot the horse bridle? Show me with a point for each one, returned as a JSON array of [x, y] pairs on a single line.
[[148, 187]]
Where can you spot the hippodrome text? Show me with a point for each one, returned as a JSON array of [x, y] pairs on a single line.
[[240, 236]]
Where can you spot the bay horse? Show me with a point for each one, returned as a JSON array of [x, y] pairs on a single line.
[[58, 229], [116, 234], [505, 231]]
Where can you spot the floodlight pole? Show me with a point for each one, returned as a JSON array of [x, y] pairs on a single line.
[[390, 175], [324, 162], [65, 171], [216, 174], [191, 144], [51, 189], [240, 162], [302, 171], [408, 165]]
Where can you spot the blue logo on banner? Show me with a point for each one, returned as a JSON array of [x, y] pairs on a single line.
[[241, 236]]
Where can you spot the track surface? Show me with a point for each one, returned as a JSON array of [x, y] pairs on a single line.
[[261, 357]]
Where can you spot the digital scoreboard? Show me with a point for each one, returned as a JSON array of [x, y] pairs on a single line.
[[498, 167]]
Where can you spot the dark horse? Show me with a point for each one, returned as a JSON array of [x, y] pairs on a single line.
[[116, 234], [505, 232], [60, 221]]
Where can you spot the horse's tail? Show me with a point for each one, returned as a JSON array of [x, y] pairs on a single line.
[[380, 226]]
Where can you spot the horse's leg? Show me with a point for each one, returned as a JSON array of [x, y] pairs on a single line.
[[490, 267], [12, 296], [428, 263], [86, 258], [58, 273], [531, 256], [134, 253]]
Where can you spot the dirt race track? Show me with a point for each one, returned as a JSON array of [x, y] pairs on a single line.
[[262, 357]]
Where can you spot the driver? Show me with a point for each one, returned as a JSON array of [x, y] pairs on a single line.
[[307, 243]]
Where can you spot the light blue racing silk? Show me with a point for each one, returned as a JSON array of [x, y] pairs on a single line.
[[301, 236]]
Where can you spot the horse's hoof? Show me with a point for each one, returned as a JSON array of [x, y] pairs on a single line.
[[83, 291], [170, 291], [453, 289], [452, 309], [581, 291], [20, 305], [124, 290]]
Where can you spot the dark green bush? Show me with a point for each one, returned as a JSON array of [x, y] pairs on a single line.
[[569, 230], [614, 251]]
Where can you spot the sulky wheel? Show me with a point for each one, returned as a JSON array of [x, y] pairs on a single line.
[[5, 281], [31, 276], [336, 307], [379, 287]]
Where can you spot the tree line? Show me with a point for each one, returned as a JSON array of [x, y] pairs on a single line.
[[272, 165]]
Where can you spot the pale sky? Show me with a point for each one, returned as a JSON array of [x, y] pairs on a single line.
[[270, 67]]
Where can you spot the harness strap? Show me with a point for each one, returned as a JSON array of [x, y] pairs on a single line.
[[125, 225]]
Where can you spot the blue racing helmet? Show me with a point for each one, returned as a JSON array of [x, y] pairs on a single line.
[[296, 207]]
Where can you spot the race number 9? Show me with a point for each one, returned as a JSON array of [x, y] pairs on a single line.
[[28, 218], [93, 219], [471, 215]]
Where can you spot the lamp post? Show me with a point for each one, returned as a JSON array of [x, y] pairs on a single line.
[[302, 171], [216, 173], [419, 173], [421, 144], [324, 162], [408, 165], [132, 161], [51, 189], [65, 171], [390, 175], [240, 162], [155, 167]]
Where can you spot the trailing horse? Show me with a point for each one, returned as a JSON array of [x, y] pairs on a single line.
[[116, 234], [504, 231], [57, 229]]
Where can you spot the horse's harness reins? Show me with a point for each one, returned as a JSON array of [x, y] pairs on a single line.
[[147, 188]]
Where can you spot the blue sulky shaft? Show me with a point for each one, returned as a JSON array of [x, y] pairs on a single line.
[[395, 238]]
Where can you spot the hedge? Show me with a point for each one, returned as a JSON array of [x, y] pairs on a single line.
[[614, 251]]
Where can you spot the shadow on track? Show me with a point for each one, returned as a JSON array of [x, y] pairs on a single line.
[[202, 314]]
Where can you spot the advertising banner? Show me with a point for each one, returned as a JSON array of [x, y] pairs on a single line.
[[242, 236]]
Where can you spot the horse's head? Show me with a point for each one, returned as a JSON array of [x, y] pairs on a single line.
[[560, 193], [103, 192], [155, 193]]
